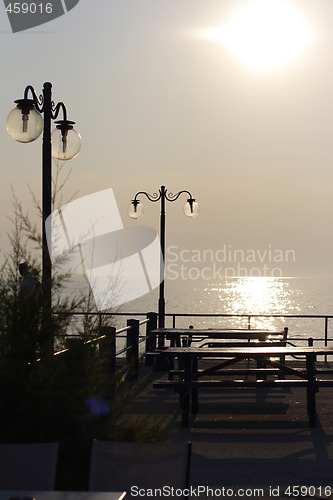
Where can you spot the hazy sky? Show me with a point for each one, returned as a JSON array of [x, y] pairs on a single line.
[[160, 97]]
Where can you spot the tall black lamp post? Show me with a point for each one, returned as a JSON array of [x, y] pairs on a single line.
[[135, 211], [25, 124]]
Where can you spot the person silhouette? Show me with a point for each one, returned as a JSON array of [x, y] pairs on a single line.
[[30, 284]]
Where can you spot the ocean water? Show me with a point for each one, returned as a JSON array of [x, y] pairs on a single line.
[[237, 296]]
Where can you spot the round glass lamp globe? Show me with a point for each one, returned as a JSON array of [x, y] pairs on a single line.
[[65, 145], [135, 211], [191, 209], [24, 125]]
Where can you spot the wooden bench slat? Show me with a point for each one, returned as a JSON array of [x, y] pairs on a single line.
[[280, 343], [239, 371], [164, 384]]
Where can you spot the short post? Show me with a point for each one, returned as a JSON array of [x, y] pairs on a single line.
[[107, 350], [150, 339], [132, 353]]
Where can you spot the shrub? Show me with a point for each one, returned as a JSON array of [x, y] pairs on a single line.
[[66, 398]]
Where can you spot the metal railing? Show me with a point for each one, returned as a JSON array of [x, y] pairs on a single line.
[[107, 343], [109, 336], [249, 317]]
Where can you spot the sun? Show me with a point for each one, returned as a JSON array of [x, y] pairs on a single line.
[[264, 34]]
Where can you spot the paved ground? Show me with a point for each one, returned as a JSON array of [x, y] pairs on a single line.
[[252, 443]]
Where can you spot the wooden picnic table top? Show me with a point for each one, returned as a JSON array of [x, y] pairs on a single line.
[[270, 351]]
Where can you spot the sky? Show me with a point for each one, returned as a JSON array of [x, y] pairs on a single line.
[[230, 100]]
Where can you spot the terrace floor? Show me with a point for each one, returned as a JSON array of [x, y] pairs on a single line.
[[254, 443]]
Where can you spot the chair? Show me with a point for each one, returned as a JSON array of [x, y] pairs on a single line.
[[120, 466], [28, 466]]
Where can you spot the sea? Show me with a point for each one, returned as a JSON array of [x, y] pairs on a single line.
[[271, 303]]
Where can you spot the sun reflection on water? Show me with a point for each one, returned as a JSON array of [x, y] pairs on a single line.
[[254, 296]]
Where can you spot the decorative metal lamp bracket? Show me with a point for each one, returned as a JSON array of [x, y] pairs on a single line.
[[40, 105]]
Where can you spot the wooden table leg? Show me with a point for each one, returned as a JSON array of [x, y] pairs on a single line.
[[185, 393], [311, 388], [194, 390]]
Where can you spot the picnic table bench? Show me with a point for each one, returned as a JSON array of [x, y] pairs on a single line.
[[189, 382]]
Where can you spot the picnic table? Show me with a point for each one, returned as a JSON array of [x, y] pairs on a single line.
[[191, 379], [215, 337]]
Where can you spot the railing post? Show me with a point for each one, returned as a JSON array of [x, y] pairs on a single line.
[[107, 348], [132, 353], [150, 339], [75, 353], [74, 345], [249, 322]]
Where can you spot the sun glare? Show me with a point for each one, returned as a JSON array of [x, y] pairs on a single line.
[[264, 34]]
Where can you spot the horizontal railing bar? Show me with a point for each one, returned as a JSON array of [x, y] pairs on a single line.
[[206, 315], [121, 330], [245, 315], [223, 315], [85, 313], [122, 350], [58, 352]]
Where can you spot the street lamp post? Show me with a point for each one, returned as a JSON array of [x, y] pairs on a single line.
[[135, 211], [25, 124]]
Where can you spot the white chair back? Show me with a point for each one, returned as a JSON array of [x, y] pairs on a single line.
[[139, 466], [28, 466]]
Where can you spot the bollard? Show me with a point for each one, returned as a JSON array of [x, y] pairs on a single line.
[[132, 353], [150, 340]]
